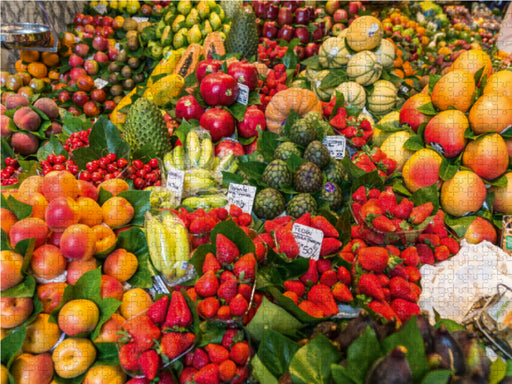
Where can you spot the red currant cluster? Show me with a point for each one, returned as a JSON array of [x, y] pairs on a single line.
[[59, 163], [145, 175], [275, 82], [105, 168], [8, 175], [77, 140]]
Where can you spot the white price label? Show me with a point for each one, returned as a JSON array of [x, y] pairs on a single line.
[[309, 240], [100, 8], [140, 19], [175, 179], [243, 94], [100, 83], [336, 146], [242, 196]]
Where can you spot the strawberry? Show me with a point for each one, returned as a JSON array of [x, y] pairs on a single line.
[[403, 210], [200, 358], [413, 273], [187, 375], [245, 267], [369, 285], [328, 278], [321, 223], [295, 286], [311, 309], [138, 380], [245, 219], [225, 250], [370, 209], [398, 271], [207, 284], [282, 220], [227, 290], [430, 239], [227, 370], [216, 353], [149, 362], [322, 296], [383, 279], [347, 256], [341, 293], [441, 253], [158, 310], [382, 308], [305, 219], [239, 353], [421, 212], [226, 275], [238, 305], [382, 224], [210, 263], [283, 230], [323, 265], [128, 356], [208, 307], [234, 211], [344, 275], [339, 122], [143, 331], [224, 313], [292, 296], [374, 193], [356, 211], [271, 225], [191, 292], [392, 250], [260, 249], [330, 245], [246, 291], [425, 253], [288, 245], [267, 239], [404, 309], [173, 344], [221, 213], [377, 155], [451, 244], [209, 374], [166, 377], [415, 288], [373, 259], [387, 294], [359, 195], [179, 314], [410, 256], [389, 165], [231, 336], [311, 275], [387, 200], [242, 373], [400, 289]]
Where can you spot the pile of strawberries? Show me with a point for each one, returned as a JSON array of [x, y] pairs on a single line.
[[226, 362], [357, 131], [374, 159], [157, 337], [269, 52], [9, 175], [275, 81]]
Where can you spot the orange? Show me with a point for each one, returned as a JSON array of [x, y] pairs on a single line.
[[68, 39], [472, 61], [38, 70], [465, 192], [500, 82], [29, 56], [134, 302], [492, 112], [53, 75], [20, 66], [455, 89], [50, 59]]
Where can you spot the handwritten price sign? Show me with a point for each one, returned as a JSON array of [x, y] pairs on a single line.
[[309, 241]]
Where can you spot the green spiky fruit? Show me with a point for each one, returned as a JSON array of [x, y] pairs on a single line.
[[324, 128], [269, 203], [333, 194], [243, 35], [308, 178], [145, 125], [285, 150], [302, 132], [334, 172], [312, 117], [317, 153], [277, 174], [301, 204]]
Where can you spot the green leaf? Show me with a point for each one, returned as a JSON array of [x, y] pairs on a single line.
[[237, 110], [414, 143], [447, 170], [340, 375], [253, 169], [425, 195], [271, 316], [107, 308], [334, 78], [211, 332], [140, 202], [409, 337], [458, 224], [312, 363], [276, 351], [267, 144], [294, 162], [293, 116], [362, 353], [478, 75], [432, 81], [53, 146], [11, 344], [312, 62], [134, 241], [20, 210], [228, 178], [234, 233], [290, 59], [340, 103], [370, 180], [427, 109], [24, 289], [437, 377], [74, 380], [73, 123], [501, 181], [278, 268], [261, 373], [107, 354], [6, 151], [450, 325]]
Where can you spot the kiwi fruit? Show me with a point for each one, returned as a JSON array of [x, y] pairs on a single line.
[[133, 62], [114, 67], [128, 84], [112, 79], [116, 90], [126, 72]]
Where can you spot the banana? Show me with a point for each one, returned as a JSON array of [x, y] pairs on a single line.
[[210, 201], [206, 153], [193, 148], [179, 157], [224, 163], [198, 179], [182, 250]]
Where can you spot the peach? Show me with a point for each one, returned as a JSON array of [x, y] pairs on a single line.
[[37, 201], [422, 169], [31, 184], [480, 230], [114, 186], [5, 122], [90, 212], [409, 113], [465, 192], [54, 238], [111, 287], [48, 107], [108, 331], [42, 335], [10, 269], [105, 374], [61, 213], [105, 238], [117, 212], [503, 196], [445, 132], [487, 156], [50, 295], [78, 242], [60, 184], [121, 265], [135, 301], [54, 129], [28, 228], [26, 118], [78, 316], [73, 357], [7, 220], [75, 269], [15, 311], [24, 143], [47, 262], [15, 100], [87, 189], [30, 369]]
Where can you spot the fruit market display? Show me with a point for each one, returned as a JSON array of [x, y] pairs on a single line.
[[248, 192]]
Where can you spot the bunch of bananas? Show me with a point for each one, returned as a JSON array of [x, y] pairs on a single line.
[[168, 244]]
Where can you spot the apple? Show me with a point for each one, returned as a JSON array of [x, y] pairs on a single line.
[[272, 12], [317, 33], [112, 53], [354, 7], [41, 335], [30, 369], [340, 16], [302, 34], [61, 213], [82, 50], [28, 228], [75, 269], [260, 8], [87, 19], [64, 96], [299, 51], [87, 189], [47, 262], [100, 43], [91, 67], [286, 33], [270, 29], [97, 20], [311, 49], [111, 287], [332, 6], [301, 16], [10, 269], [227, 146], [80, 98], [78, 19], [73, 357], [326, 24], [319, 12], [311, 13], [284, 16], [75, 61], [78, 316], [15, 311], [337, 29]]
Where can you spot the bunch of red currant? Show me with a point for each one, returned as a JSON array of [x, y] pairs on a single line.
[[145, 175], [9, 175], [58, 163], [77, 139], [104, 168]]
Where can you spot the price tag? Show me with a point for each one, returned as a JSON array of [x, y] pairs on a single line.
[[243, 94], [100, 8], [175, 179], [309, 240], [336, 146], [139, 19], [242, 196], [100, 83]]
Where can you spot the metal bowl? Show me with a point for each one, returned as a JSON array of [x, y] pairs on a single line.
[[25, 35]]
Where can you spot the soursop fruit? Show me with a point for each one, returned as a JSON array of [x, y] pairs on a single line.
[[243, 35], [334, 172], [333, 194], [146, 125], [301, 204], [277, 174], [302, 132], [323, 128], [285, 150], [308, 178], [312, 117], [269, 203], [317, 153]]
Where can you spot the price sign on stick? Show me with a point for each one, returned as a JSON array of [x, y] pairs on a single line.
[[336, 146], [175, 179], [309, 240], [242, 196]]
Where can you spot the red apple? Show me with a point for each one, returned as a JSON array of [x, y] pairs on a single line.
[[75, 73], [285, 16], [340, 16], [332, 6], [75, 60], [286, 33], [82, 50], [270, 29], [91, 67], [80, 98], [302, 34], [100, 43]]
